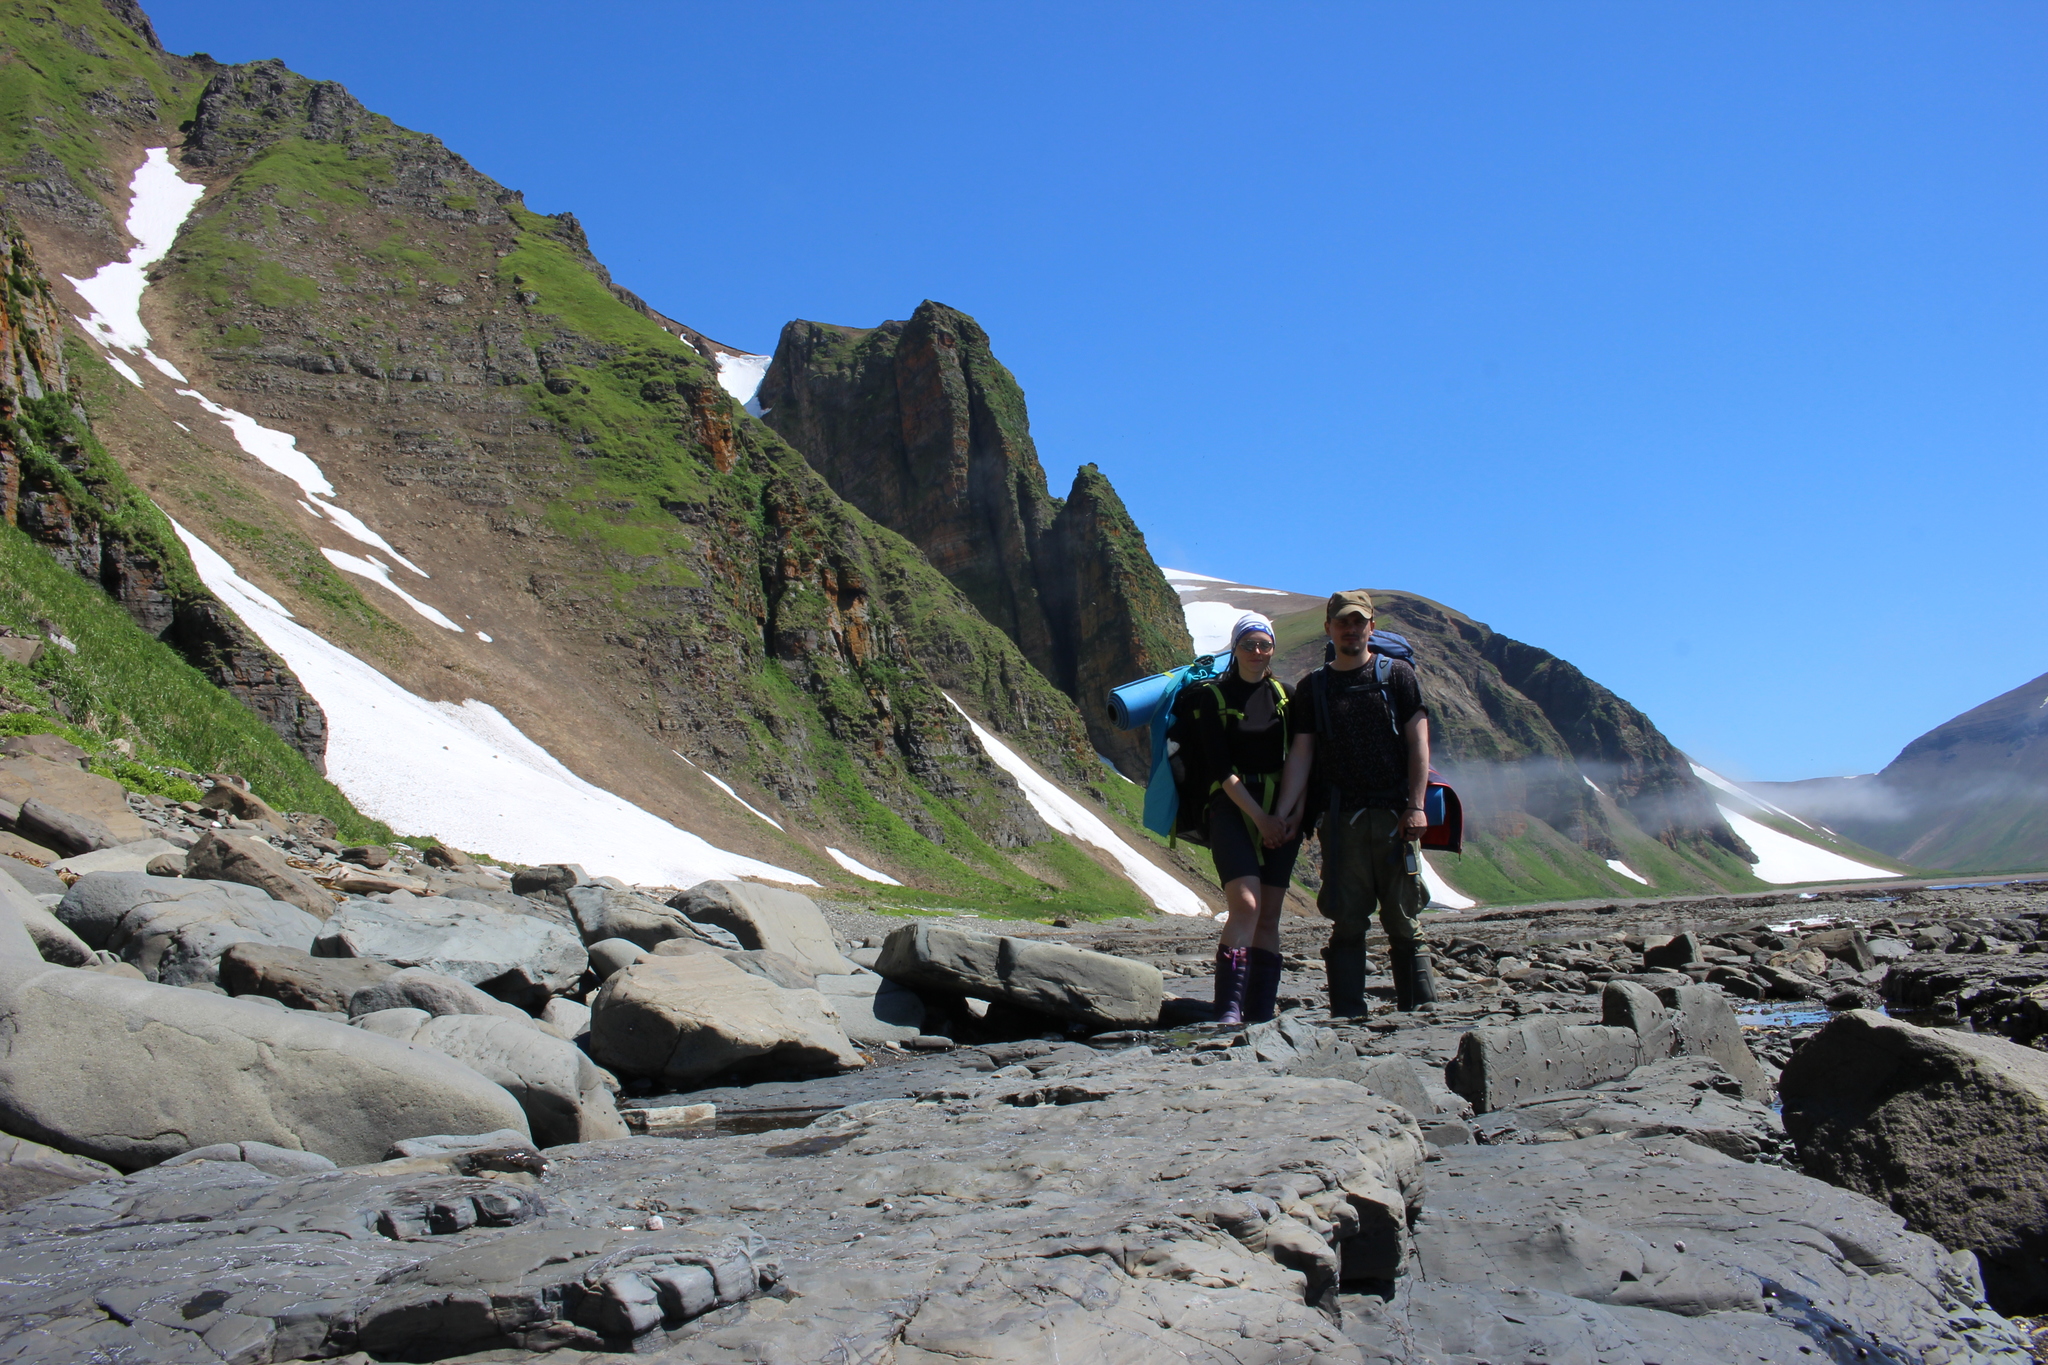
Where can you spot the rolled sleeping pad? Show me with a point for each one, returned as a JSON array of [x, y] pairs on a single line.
[[1139, 703]]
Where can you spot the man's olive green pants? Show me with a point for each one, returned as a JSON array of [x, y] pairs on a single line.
[[1367, 867]]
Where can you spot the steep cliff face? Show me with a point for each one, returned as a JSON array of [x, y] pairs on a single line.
[[647, 581], [921, 427], [58, 484]]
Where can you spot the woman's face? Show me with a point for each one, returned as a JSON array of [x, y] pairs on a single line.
[[1254, 654]]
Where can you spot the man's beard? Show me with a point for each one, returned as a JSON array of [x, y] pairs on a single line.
[[1351, 651]]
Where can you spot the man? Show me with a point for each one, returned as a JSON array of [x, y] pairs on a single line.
[[1363, 740]]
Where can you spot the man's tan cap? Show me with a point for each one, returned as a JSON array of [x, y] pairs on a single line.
[[1345, 603]]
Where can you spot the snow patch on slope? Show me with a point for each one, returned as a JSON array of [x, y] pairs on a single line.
[[1071, 818], [1625, 870], [1750, 799], [158, 207], [378, 572], [464, 772], [1782, 858], [715, 780], [1441, 892], [741, 376], [860, 869]]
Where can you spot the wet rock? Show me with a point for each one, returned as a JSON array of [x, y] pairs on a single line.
[[1932, 1122], [518, 958], [687, 1019], [1046, 978], [295, 978], [766, 917], [228, 856]]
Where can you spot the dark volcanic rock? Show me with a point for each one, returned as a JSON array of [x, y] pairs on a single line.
[[917, 424], [1949, 1128]]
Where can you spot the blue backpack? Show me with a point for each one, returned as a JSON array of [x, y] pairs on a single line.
[[1149, 701]]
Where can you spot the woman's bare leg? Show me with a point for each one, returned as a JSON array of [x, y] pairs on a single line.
[[1241, 897], [1272, 904]]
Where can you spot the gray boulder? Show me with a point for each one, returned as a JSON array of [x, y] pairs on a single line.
[[1703, 1024], [1048, 978], [264, 1157], [515, 957], [415, 988], [609, 955], [1689, 1097], [1950, 1129], [1610, 1250], [784, 971], [229, 856], [686, 1019], [66, 831], [566, 1097], [135, 857], [29, 1170], [37, 881], [96, 904], [53, 939], [130, 1073], [295, 978], [179, 942], [873, 1009], [606, 912], [766, 917], [1505, 1064]]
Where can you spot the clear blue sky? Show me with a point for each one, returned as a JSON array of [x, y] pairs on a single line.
[[1705, 345]]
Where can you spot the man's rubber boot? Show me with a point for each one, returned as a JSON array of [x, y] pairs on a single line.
[[1344, 969], [1414, 978], [1422, 977], [1233, 972], [1263, 986]]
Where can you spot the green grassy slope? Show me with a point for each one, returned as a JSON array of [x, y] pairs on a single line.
[[122, 685]]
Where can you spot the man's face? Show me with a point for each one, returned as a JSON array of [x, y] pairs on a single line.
[[1349, 632]]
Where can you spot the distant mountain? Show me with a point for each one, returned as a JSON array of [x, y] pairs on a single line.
[[1970, 795], [1569, 790]]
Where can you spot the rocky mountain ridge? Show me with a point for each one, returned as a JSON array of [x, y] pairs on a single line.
[[636, 573], [921, 427]]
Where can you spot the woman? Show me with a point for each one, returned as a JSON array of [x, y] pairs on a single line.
[[1234, 735]]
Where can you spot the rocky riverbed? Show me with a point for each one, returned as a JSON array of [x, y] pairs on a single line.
[[270, 1099]]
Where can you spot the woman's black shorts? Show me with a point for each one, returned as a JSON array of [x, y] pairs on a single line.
[[1240, 853]]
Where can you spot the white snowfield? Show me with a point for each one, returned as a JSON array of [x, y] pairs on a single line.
[[1783, 859], [1625, 870], [1209, 623], [860, 869], [1071, 818], [741, 376], [466, 773]]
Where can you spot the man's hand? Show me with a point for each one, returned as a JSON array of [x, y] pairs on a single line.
[[1413, 824]]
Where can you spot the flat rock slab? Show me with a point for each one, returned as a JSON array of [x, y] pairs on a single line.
[[1949, 1128], [1689, 1097], [1048, 978], [1140, 1210], [1607, 1249]]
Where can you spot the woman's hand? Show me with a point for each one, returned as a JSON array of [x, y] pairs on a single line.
[[1272, 829]]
